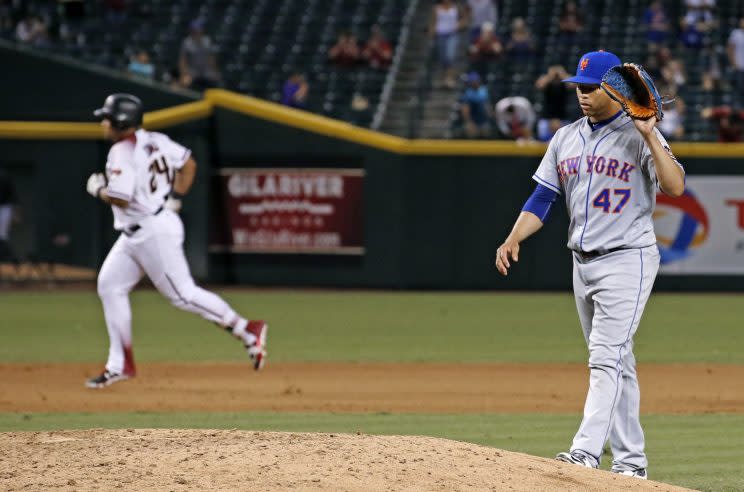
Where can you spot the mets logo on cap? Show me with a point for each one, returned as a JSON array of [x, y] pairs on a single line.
[[592, 66]]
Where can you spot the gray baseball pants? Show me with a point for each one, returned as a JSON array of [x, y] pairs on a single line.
[[611, 292]]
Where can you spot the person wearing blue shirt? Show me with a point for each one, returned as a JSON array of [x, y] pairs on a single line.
[[475, 108], [140, 65], [294, 91]]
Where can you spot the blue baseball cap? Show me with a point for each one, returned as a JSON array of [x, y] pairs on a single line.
[[592, 67]]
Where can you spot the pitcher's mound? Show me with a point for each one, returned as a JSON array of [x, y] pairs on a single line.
[[166, 459]]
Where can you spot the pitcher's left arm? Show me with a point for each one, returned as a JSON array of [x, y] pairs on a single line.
[[670, 175]]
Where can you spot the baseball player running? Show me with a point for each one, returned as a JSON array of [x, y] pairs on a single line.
[[608, 166], [147, 174]]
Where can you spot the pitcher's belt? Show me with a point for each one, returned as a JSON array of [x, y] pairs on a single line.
[[590, 255]]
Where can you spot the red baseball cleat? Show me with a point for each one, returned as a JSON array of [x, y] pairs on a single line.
[[257, 350]]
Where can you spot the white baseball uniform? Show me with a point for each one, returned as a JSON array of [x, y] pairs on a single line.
[[607, 175], [141, 170]]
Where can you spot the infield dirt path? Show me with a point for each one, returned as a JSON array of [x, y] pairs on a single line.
[[361, 387]]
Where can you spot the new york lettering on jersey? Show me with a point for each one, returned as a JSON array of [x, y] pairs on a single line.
[[606, 165]]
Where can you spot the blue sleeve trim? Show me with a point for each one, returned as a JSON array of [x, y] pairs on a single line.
[[540, 202], [546, 184]]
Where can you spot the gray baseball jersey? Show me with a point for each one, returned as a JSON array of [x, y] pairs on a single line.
[[608, 178], [607, 175]]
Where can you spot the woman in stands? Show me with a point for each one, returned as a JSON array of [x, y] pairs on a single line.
[[446, 21]]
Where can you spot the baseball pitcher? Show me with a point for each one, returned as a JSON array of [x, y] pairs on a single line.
[[608, 166], [147, 174]]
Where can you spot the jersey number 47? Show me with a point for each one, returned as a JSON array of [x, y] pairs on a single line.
[[604, 202]]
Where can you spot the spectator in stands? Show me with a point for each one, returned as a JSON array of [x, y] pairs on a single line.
[[446, 21], [666, 69], [700, 13], [521, 45], [515, 118], [691, 35], [345, 53], [735, 50], [295, 91], [712, 78], [377, 52], [657, 23], [141, 66], [657, 60], [197, 63], [485, 49], [479, 12], [673, 73], [172, 78], [556, 94], [360, 114], [570, 24], [31, 30], [672, 126], [475, 108], [729, 122]]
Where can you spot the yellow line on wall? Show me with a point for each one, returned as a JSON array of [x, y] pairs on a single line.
[[321, 125], [305, 120], [183, 113], [58, 130], [707, 149], [473, 148], [49, 130]]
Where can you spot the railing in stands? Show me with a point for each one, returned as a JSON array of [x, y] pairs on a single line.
[[423, 87], [392, 75]]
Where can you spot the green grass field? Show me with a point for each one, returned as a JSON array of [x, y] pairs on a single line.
[[365, 326], [698, 451]]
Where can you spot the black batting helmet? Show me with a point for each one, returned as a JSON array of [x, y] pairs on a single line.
[[122, 110]]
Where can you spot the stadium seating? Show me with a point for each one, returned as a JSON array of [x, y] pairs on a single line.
[[259, 43], [613, 26]]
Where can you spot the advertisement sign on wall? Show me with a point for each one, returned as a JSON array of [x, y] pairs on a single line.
[[702, 232], [277, 210]]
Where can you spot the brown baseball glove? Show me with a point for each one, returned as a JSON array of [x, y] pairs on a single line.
[[634, 89]]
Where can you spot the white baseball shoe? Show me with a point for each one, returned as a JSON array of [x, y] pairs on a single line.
[[106, 378], [637, 473], [576, 458]]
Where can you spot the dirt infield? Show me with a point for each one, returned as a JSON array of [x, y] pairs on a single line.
[[176, 460], [357, 387], [146, 460]]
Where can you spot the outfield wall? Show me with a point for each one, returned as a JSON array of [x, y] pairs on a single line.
[[434, 212], [431, 221]]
